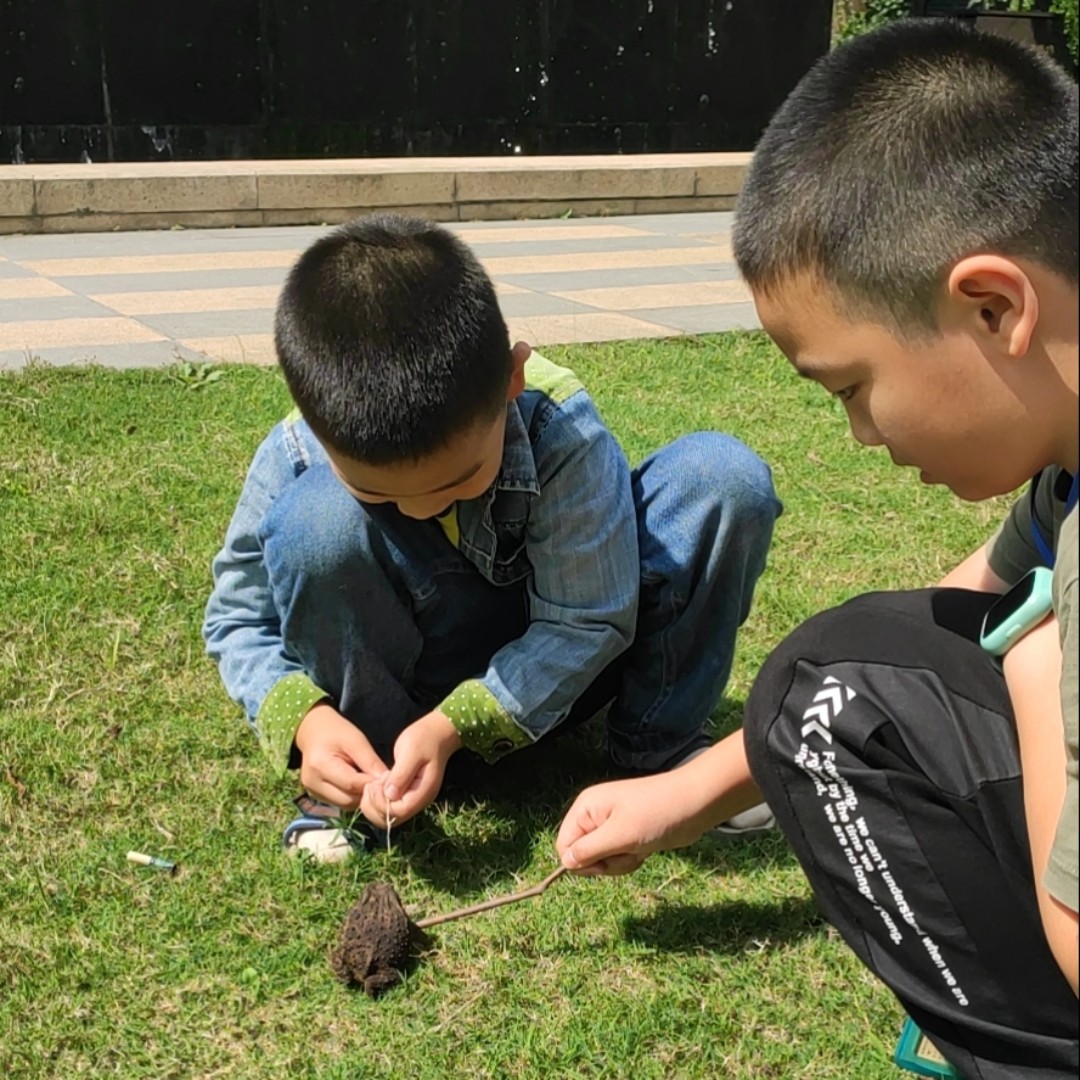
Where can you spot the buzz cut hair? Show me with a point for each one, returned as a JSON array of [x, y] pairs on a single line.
[[904, 151], [391, 339]]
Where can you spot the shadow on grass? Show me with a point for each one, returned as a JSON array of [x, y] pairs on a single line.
[[727, 717], [740, 855], [524, 797], [734, 927]]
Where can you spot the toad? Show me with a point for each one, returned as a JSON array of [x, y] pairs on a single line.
[[374, 945], [375, 941]]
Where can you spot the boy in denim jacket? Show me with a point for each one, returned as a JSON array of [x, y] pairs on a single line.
[[444, 546]]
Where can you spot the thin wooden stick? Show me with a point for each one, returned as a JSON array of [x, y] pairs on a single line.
[[487, 905]]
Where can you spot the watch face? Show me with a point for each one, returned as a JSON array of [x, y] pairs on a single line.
[[1005, 608]]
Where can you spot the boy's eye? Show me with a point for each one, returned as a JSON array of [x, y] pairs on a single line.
[[844, 395]]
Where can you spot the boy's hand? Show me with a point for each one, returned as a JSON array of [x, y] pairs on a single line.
[[613, 828], [338, 761], [420, 756]]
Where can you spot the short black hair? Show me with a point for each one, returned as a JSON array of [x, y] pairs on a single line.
[[391, 339], [902, 152]]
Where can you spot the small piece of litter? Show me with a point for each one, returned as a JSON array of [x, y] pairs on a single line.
[[152, 861]]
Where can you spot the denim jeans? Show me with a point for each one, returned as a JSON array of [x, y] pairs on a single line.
[[387, 617]]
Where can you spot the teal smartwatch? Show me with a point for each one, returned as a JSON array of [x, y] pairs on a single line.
[[1018, 612]]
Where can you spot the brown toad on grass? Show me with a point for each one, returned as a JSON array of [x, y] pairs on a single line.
[[374, 945], [377, 936]]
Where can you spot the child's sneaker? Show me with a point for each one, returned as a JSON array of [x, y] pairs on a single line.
[[319, 838], [758, 819], [324, 834]]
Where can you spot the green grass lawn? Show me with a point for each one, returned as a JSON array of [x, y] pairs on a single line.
[[115, 734]]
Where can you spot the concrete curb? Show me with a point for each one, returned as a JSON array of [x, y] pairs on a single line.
[[108, 197]]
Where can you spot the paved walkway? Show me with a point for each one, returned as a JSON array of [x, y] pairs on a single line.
[[150, 298]]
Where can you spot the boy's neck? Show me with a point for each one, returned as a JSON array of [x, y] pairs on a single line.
[[1067, 424], [1069, 455], [1062, 344]]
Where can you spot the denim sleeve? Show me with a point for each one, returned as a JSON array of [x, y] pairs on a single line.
[[242, 627], [583, 546]]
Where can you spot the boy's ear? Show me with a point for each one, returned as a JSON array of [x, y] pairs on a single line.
[[519, 354], [994, 296]]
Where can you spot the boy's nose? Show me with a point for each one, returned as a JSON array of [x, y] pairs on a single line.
[[865, 433]]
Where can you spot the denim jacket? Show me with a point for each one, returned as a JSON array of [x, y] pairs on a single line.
[[559, 517]]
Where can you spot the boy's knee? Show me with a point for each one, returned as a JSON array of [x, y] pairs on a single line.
[[797, 669], [716, 471], [315, 528], [866, 640]]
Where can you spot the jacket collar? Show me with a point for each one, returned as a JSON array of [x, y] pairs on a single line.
[[518, 470]]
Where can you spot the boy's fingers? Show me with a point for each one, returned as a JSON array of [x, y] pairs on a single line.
[[402, 776], [579, 859], [405, 809], [363, 756], [622, 864], [586, 851], [593, 859], [588, 814], [397, 810], [333, 795], [570, 831], [342, 775], [379, 810], [420, 794], [374, 805]]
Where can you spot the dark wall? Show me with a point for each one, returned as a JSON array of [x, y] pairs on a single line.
[[144, 80]]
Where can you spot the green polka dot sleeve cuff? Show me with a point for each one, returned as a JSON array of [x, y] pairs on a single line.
[[484, 725], [280, 715]]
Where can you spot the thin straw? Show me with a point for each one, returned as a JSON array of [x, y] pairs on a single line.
[[389, 818]]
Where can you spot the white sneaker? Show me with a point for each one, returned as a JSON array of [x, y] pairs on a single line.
[[323, 845], [758, 819]]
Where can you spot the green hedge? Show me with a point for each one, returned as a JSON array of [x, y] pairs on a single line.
[[856, 18], [1070, 11], [853, 19]]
